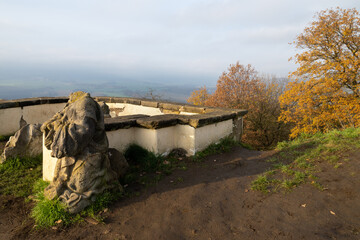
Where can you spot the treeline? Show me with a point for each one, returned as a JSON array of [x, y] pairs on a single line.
[[321, 95]]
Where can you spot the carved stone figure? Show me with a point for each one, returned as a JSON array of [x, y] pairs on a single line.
[[105, 108], [76, 137], [27, 142]]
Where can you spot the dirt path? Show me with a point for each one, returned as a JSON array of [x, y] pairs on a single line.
[[212, 200]]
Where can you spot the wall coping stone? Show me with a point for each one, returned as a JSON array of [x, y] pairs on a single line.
[[205, 115]]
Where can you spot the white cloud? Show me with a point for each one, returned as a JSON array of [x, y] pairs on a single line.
[[192, 37]]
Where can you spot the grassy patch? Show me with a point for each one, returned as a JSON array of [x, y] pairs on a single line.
[[147, 168], [17, 175], [261, 183], [296, 161], [4, 138], [224, 145], [49, 213]]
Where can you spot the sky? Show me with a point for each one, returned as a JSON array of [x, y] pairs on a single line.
[[170, 42]]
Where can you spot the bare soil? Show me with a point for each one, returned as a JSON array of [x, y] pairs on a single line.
[[213, 200]]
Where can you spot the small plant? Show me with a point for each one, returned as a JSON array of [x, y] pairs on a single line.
[[139, 156], [261, 183], [225, 145], [47, 213], [296, 160], [17, 175], [147, 168]]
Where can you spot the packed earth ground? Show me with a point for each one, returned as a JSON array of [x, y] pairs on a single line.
[[240, 194]]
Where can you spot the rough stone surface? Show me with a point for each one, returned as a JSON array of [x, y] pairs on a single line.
[[158, 121], [27, 142], [178, 153], [105, 109], [76, 137], [118, 162]]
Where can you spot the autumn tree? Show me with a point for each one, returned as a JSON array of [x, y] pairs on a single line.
[[241, 87], [199, 97], [325, 93]]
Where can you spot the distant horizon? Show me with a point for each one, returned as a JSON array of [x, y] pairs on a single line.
[[53, 47]]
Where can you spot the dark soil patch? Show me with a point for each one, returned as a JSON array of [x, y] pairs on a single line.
[[213, 200], [2, 146]]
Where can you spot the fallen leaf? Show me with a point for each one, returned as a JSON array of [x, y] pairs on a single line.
[[303, 205], [332, 213], [91, 220], [58, 221]]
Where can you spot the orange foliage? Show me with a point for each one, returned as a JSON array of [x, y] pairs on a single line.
[[325, 91], [199, 97], [242, 88]]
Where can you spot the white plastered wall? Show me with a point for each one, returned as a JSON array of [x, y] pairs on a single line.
[[49, 164], [10, 120], [121, 138], [163, 140], [41, 113], [131, 109], [159, 141], [212, 133], [10, 117]]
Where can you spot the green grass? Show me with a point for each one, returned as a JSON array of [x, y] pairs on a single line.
[[224, 145], [296, 161], [17, 175], [261, 183], [47, 213], [4, 138], [145, 169]]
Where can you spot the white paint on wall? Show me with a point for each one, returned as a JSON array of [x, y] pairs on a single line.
[[187, 113], [212, 133], [120, 139], [185, 138], [159, 141], [131, 109], [10, 117], [10, 120], [49, 164], [41, 113]]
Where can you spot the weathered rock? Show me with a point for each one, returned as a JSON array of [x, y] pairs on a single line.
[[76, 137], [118, 162], [105, 109], [27, 142], [178, 153]]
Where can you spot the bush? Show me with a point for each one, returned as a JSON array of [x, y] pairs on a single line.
[[242, 88]]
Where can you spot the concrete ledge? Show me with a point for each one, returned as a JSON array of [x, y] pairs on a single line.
[[126, 112], [32, 101], [167, 120], [124, 122]]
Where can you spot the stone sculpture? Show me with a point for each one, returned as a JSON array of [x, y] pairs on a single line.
[[105, 108], [76, 137], [27, 142]]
